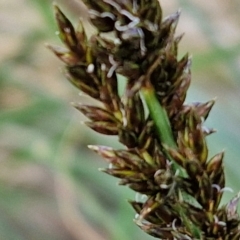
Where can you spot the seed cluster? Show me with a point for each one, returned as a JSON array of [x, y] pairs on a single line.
[[179, 187]]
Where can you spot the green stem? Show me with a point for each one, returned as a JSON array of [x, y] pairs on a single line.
[[159, 116], [161, 121], [163, 127]]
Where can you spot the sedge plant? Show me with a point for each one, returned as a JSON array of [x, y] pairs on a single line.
[[165, 154]]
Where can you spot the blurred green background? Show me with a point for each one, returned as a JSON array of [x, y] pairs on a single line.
[[50, 187]]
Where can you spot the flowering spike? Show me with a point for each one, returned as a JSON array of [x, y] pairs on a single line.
[[165, 157]]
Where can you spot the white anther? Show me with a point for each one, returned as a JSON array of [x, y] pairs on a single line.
[[174, 224], [111, 71], [93, 147], [159, 171], [121, 28], [205, 129], [111, 60], [134, 23], [142, 42], [107, 14], [217, 187], [93, 13], [140, 197], [165, 186], [113, 4], [103, 67], [226, 189], [220, 223], [136, 216], [117, 41], [130, 16], [137, 197], [90, 68], [113, 67]]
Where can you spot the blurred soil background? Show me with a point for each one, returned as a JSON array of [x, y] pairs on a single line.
[[50, 187]]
